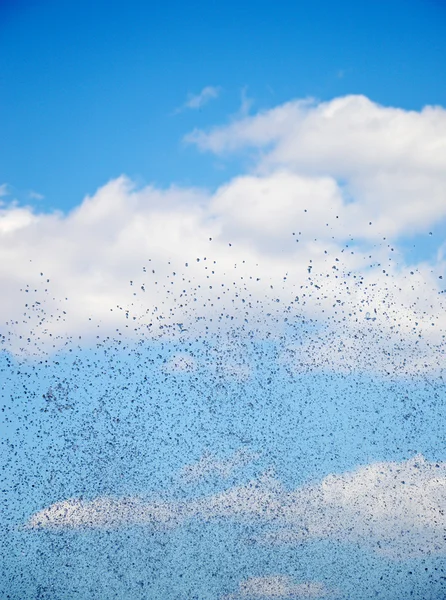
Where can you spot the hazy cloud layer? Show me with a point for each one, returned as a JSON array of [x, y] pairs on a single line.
[[396, 509]]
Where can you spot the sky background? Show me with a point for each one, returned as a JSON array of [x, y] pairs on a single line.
[[222, 308], [101, 81]]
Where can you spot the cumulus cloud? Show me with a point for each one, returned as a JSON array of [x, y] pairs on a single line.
[[395, 509], [279, 586], [298, 239], [390, 163], [197, 101]]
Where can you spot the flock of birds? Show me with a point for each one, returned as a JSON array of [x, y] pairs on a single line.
[[196, 353]]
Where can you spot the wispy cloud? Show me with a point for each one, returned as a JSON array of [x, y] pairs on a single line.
[[245, 104], [33, 195], [4, 190], [197, 101]]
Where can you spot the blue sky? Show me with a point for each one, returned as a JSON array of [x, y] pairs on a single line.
[[222, 309], [88, 91]]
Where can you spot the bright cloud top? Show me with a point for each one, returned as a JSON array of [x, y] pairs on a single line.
[[396, 509], [391, 163]]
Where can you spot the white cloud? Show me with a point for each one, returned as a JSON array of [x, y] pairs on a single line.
[[245, 268], [395, 509], [390, 162], [103, 513], [91, 254], [14, 218], [209, 465], [279, 586], [197, 101]]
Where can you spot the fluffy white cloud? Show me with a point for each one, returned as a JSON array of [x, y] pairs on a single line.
[[396, 509], [389, 163], [14, 218], [291, 242], [279, 586]]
